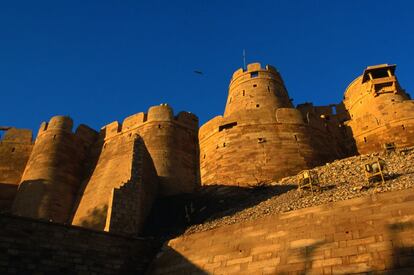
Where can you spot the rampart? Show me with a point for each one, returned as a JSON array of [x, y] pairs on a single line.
[[171, 141], [97, 180], [29, 246], [118, 195], [54, 171], [362, 235], [15, 148], [100, 180], [261, 137], [379, 110]]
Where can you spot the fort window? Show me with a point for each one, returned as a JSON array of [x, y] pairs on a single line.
[[204, 156], [54, 137], [254, 85], [224, 144], [13, 149], [244, 92], [261, 140], [227, 126], [254, 74], [296, 137], [379, 73], [159, 126], [257, 105], [403, 127], [365, 139]]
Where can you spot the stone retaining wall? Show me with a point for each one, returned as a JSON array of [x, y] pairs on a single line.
[[373, 233]]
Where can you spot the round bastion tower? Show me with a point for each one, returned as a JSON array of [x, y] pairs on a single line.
[[379, 110], [260, 138], [256, 89], [52, 176]]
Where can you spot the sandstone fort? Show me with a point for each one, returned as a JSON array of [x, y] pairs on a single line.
[[86, 186]]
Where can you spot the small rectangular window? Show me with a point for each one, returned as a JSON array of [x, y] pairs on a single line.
[[254, 74], [227, 126]]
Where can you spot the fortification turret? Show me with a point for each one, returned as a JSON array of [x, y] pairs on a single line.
[[379, 110], [53, 173], [256, 88], [260, 137]]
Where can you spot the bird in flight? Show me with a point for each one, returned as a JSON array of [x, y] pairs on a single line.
[[198, 72]]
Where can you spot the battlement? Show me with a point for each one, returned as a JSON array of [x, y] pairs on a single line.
[[65, 124], [255, 68], [17, 135], [161, 113], [59, 123]]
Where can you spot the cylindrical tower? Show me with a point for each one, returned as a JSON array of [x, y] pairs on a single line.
[[379, 110], [172, 144], [52, 175], [256, 89], [260, 138]]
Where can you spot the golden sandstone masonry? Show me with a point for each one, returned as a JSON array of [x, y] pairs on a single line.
[[100, 180], [368, 235]]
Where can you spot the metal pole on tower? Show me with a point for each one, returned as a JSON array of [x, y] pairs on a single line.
[[244, 59]]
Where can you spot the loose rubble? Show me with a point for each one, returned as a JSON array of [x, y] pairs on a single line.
[[340, 180]]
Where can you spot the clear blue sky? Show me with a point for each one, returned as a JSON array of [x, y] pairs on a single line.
[[100, 61]]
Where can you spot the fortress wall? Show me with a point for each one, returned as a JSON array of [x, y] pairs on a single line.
[[130, 204], [249, 154], [261, 137], [398, 131], [172, 148], [29, 246], [330, 136], [380, 112], [363, 235], [113, 169], [171, 141], [53, 172], [15, 148], [173, 145]]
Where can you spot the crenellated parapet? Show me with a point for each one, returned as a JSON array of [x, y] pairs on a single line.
[[64, 125], [256, 89], [161, 114]]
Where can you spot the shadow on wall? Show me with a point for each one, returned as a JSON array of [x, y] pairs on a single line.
[[29, 204], [170, 216], [400, 258], [7, 194], [402, 238], [96, 218], [88, 169], [175, 261]]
